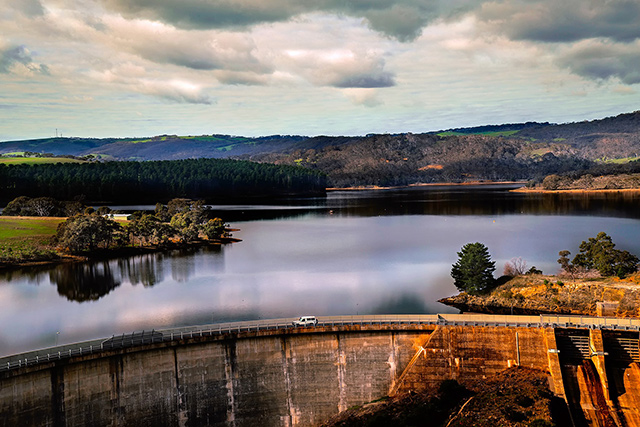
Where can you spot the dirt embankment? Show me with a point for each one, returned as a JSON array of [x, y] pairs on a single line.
[[517, 397], [535, 294]]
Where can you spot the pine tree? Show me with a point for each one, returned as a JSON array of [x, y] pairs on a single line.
[[473, 272]]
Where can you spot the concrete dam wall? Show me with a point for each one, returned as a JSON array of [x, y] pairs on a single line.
[[301, 377]]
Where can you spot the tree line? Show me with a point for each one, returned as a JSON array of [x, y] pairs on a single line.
[[157, 180]]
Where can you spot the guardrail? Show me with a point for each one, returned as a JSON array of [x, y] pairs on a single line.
[[167, 335]]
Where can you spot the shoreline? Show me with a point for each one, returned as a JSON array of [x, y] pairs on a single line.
[[430, 184], [102, 254], [551, 294], [575, 190]]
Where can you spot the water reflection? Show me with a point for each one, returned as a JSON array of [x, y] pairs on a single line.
[[183, 265], [84, 282], [484, 200], [90, 281], [146, 269], [404, 304], [441, 200]]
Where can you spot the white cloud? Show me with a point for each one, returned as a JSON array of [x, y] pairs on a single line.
[[284, 64], [366, 97], [175, 90], [340, 68], [199, 50]]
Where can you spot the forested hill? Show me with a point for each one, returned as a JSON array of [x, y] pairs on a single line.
[[521, 151], [166, 147], [153, 181]]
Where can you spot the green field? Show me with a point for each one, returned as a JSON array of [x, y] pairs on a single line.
[[36, 160], [620, 161], [27, 238]]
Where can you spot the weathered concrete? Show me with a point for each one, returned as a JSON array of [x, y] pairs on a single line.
[[267, 378], [301, 377], [467, 353]]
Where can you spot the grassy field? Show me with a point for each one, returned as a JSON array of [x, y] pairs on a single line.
[[620, 161], [27, 239], [36, 160]]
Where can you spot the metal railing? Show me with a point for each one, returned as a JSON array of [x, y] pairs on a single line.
[[167, 335]]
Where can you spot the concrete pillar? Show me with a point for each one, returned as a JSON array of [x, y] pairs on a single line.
[[596, 345], [554, 363]]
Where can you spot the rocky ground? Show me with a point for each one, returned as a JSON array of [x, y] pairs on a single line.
[[517, 397], [533, 294]]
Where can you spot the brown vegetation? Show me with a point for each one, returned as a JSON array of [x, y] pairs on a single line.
[[517, 397], [589, 182], [531, 294]]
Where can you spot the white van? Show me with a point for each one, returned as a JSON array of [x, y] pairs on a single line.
[[305, 321]]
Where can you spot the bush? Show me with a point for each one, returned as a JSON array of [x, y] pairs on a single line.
[[598, 253]]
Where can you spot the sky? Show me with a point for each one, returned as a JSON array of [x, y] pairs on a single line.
[[131, 68]]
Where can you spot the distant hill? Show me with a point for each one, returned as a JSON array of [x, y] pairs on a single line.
[[496, 130], [493, 152]]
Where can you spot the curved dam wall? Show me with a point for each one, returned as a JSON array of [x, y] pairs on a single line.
[[268, 378], [301, 377]]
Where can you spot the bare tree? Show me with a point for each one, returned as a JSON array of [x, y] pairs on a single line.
[[515, 267]]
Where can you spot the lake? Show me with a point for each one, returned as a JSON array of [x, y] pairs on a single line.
[[353, 252]]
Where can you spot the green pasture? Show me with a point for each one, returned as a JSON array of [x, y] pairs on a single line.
[[36, 160], [25, 227], [27, 238], [620, 161]]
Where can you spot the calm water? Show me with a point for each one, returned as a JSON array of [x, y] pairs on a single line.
[[352, 253]]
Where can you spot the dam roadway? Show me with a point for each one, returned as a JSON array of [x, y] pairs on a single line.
[[270, 373]]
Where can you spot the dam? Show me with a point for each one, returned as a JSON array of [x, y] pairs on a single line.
[[273, 374]]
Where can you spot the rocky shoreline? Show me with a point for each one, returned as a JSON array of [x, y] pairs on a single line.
[[540, 294]]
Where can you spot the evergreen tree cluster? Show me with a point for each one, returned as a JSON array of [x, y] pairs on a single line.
[[157, 180]]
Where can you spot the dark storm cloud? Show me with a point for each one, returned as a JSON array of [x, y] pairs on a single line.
[[30, 8], [564, 21], [11, 56], [402, 20], [601, 61], [365, 81]]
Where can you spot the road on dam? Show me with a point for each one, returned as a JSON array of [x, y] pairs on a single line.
[[146, 337]]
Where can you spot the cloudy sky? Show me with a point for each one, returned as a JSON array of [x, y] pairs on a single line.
[[101, 68]]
